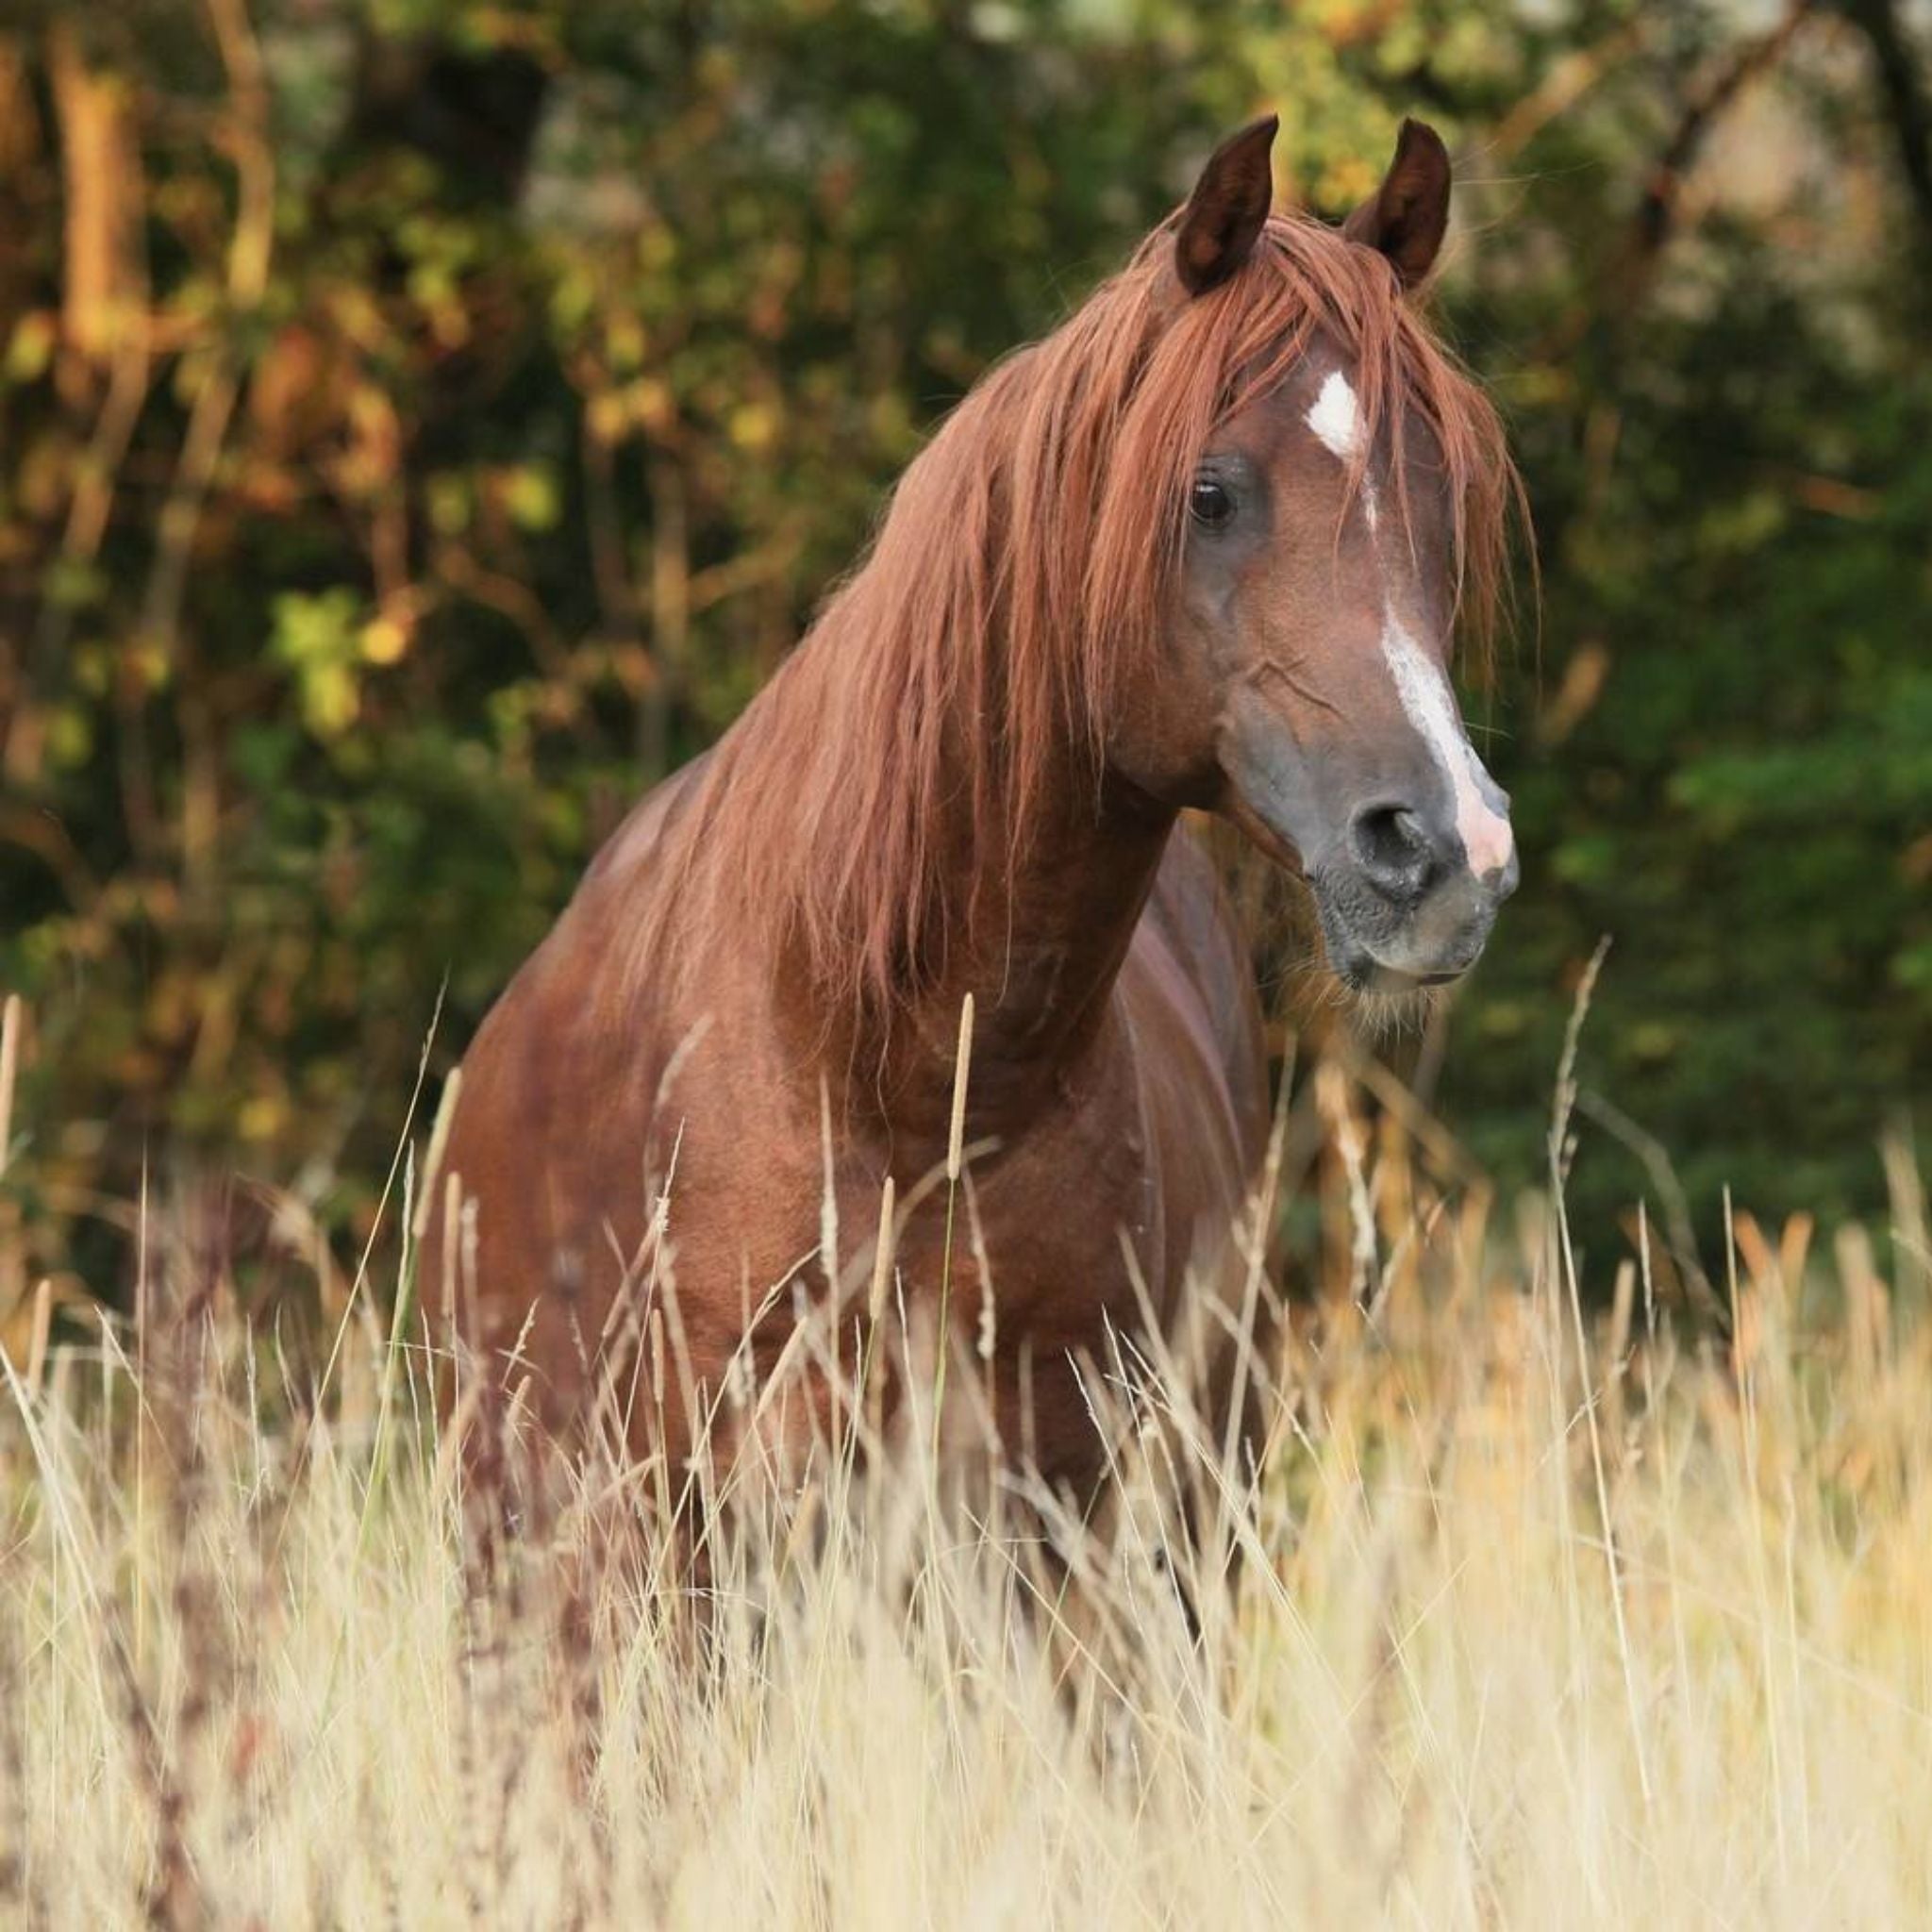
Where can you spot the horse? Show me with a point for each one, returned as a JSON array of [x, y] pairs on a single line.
[[1201, 550]]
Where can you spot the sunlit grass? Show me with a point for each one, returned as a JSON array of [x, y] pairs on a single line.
[[1531, 1616]]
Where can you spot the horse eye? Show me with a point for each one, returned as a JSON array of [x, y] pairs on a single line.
[[1209, 503]]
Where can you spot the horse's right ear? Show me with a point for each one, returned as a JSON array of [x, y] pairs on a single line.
[[1222, 219]]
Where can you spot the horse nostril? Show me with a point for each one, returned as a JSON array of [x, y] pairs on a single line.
[[1393, 848]]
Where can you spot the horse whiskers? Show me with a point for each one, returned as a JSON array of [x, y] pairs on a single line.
[[1384, 1016]]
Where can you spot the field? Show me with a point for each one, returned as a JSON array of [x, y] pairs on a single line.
[[1530, 1615], [424, 425]]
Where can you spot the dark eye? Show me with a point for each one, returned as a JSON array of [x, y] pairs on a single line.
[[1209, 503]]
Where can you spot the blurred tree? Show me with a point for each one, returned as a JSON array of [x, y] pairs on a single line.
[[422, 421]]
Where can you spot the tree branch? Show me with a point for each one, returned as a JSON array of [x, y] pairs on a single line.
[[1657, 212], [1906, 100]]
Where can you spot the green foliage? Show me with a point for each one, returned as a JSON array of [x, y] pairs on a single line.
[[341, 613]]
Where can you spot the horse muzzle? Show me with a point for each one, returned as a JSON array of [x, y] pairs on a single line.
[[1403, 902]]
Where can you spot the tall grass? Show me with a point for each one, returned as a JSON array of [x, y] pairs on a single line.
[[1529, 1614]]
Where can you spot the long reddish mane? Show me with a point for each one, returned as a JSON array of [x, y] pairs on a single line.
[[1021, 562]]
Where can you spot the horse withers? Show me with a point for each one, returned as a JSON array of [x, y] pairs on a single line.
[[1203, 548]]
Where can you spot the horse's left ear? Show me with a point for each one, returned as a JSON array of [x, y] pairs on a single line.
[[1407, 216], [1224, 215]]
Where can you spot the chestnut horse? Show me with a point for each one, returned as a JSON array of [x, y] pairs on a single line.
[[1203, 548]]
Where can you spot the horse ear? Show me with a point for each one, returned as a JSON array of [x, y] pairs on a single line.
[[1223, 215], [1406, 217]]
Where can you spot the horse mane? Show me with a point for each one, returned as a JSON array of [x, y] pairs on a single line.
[[1021, 563]]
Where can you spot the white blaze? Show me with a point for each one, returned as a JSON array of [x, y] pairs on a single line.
[[1335, 417], [1425, 693]]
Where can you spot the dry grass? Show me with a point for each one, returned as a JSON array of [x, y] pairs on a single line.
[[1537, 1619]]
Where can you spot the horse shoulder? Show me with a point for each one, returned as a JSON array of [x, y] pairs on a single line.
[[552, 1139]]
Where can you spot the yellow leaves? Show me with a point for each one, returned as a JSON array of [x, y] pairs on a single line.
[[321, 641], [625, 340], [31, 346], [70, 737], [753, 425], [527, 496], [532, 496], [606, 416], [614, 414], [1345, 182], [384, 640], [142, 665], [329, 699], [653, 403], [1343, 23], [656, 249]]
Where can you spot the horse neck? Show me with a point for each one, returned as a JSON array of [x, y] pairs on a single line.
[[1037, 929], [1023, 885]]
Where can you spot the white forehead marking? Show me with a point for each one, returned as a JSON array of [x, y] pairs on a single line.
[[1335, 417], [1425, 693]]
